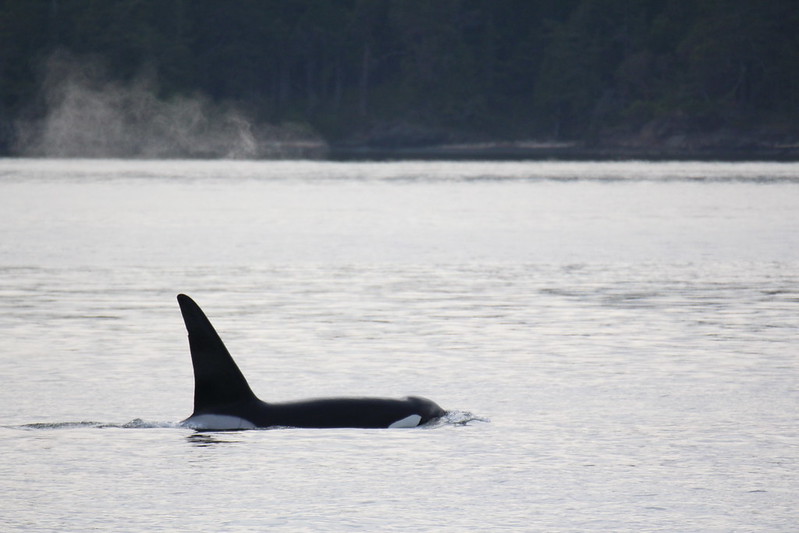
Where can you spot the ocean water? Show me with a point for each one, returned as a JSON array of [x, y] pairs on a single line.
[[616, 344]]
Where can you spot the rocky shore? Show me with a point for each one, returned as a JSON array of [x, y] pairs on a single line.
[[655, 141], [511, 151]]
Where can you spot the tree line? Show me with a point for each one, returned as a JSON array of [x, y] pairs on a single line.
[[430, 70]]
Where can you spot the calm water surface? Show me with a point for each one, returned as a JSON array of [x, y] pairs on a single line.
[[617, 343]]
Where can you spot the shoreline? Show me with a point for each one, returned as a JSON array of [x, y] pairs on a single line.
[[520, 151], [485, 151]]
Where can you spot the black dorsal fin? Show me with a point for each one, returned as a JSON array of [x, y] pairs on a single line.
[[217, 379]]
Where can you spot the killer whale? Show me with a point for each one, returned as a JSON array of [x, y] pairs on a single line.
[[223, 399]]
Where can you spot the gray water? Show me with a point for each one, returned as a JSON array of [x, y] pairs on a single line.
[[616, 344]]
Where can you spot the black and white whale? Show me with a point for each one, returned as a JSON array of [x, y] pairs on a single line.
[[224, 401]]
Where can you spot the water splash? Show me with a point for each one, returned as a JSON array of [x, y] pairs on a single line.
[[460, 418]]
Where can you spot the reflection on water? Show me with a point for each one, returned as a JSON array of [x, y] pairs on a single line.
[[205, 439], [411, 172]]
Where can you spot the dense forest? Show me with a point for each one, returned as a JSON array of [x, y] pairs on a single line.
[[680, 73]]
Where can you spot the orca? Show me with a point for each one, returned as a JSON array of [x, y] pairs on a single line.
[[224, 401]]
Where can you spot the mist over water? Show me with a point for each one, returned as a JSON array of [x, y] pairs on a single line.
[[87, 114]]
